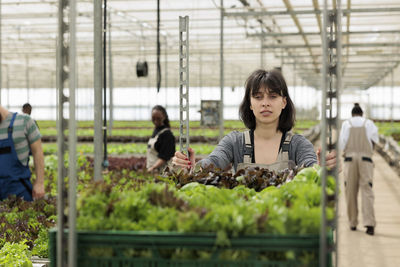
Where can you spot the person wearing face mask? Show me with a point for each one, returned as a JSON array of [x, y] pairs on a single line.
[[18, 136], [269, 114], [161, 145]]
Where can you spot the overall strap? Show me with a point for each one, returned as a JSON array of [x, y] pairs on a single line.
[[349, 120], [160, 132], [248, 149], [286, 143], [284, 153], [10, 127], [365, 121]]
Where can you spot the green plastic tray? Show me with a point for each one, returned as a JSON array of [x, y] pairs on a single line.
[[159, 249]]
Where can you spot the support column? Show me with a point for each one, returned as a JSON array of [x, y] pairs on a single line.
[[391, 99], [98, 85], [166, 71], [331, 87], [72, 139], [66, 52], [110, 77], [221, 75], [262, 52], [184, 84], [8, 86], [27, 76], [1, 55], [105, 156]]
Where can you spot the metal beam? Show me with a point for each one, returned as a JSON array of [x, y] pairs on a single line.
[[307, 12], [391, 55], [344, 45], [381, 77], [299, 27], [282, 34], [316, 8]]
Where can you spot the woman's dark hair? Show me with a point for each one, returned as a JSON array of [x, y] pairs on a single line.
[[164, 112], [357, 111], [275, 83]]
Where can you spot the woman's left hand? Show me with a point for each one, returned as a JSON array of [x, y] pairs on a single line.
[[330, 158]]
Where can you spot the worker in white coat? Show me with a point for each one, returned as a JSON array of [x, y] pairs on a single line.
[[357, 138]]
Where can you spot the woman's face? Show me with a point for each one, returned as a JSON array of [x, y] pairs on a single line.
[[267, 106], [157, 118]]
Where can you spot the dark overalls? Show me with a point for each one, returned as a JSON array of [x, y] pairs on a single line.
[[14, 176]]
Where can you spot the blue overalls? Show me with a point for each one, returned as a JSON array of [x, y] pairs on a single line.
[[14, 176]]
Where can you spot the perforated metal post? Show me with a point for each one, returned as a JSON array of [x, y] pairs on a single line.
[[1, 55], [62, 78], [66, 76], [184, 84], [331, 86]]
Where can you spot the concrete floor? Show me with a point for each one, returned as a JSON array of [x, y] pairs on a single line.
[[356, 248]]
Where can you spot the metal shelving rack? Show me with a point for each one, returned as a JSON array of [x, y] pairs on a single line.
[[184, 84], [331, 87]]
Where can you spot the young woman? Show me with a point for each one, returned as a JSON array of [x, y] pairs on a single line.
[[161, 145], [269, 114]]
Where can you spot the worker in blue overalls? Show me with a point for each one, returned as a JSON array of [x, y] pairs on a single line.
[[19, 136]]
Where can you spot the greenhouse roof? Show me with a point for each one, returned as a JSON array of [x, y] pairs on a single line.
[[285, 32]]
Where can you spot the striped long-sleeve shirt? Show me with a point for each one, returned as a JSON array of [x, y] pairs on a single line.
[[25, 133]]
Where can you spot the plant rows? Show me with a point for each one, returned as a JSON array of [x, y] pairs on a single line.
[[207, 200], [122, 149]]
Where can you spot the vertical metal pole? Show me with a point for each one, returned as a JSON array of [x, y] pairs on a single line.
[[8, 86], [382, 106], [201, 75], [110, 77], [98, 134], [184, 83], [391, 99], [221, 74], [72, 139], [294, 82], [333, 78], [105, 160], [338, 119], [322, 240], [62, 78], [369, 106], [27, 76], [1, 55], [158, 48], [166, 70], [262, 51]]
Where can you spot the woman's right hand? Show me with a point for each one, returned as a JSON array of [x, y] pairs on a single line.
[[181, 160]]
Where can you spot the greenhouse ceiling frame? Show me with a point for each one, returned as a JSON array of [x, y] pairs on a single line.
[[310, 74], [28, 29]]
